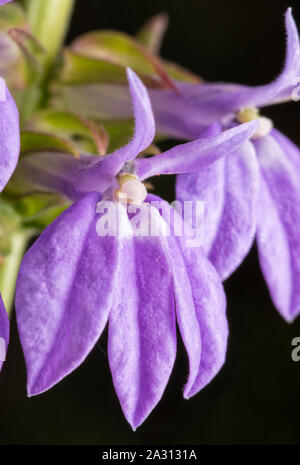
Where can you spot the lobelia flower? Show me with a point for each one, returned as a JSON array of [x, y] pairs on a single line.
[[72, 281], [256, 190], [9, 153], [4, 332]]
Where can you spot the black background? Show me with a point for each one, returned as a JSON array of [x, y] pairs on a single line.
[[255, 398]]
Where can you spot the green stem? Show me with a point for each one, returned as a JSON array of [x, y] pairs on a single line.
[[10, 267], [49, 21]]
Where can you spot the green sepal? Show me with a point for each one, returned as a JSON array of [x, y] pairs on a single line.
[[84, 134], [39, 141], [152, 32]]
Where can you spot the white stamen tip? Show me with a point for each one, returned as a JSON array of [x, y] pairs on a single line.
[[134, 191], [265, 126]]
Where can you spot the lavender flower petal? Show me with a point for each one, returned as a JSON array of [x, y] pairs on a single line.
[[9, 137], [279, 224], [290, 150], [142, 330], [195, 155], [200, 307], [102, 173], [64, 294], [230, 207], [202, 104], [4, 332], [207, 186], [73, 177], [201, 315], [281, 88], [210, 304]]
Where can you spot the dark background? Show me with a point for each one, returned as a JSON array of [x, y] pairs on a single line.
[[255, 398]]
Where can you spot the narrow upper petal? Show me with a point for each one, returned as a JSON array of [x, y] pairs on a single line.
[[279, 223], [198, 105], [229, 190], [201, 104], [142, 330], [195, 155], [73, 177], [4, 332], [64, 294], [9, 135], [282, 87], [102, 173], [2, 2]]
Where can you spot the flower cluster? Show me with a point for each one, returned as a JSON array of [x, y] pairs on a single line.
[[147, 276]]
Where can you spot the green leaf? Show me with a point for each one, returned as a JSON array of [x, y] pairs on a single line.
[[120, 132], [86, 135], [38, 141], [178, 73], [9, 222], [37, 210], [80, 69], [102, 57], [119, 49], [12, 15]]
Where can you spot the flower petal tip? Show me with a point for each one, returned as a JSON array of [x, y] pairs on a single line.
[[288, 13], [32, 391], [290, 24], [133, 79], [290, 319]]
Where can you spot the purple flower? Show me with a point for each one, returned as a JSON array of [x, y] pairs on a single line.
[[9, 135], [256, 190], [9, 153], [4, 332], [73, 281]]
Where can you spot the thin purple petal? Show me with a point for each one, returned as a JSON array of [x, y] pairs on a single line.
[[206, 185], [230, 206], [142, 330], [195, 155], [72, 177], [278, 226], [9, 137], [4, 332], [201, 104], [210, 306], [200, 308], [102, 173]]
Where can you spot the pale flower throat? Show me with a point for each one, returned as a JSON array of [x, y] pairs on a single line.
[[132, 190], [251, 113]]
